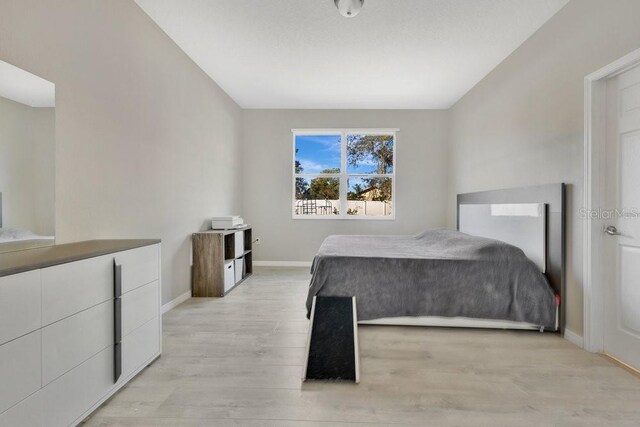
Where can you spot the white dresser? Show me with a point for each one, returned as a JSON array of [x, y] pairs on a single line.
[[77, 322]]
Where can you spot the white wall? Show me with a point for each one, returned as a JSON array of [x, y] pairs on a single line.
[[523, 123], [147, 145], [421, 173]]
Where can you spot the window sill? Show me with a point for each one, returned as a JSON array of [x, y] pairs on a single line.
[[345, 217]]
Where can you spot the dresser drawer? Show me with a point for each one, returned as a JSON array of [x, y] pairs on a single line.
[[69, 342], [139, 266], [68, 397], [20, 303], [139, 346], [139, 306], [73, 287], [27, 413], [20, 371]]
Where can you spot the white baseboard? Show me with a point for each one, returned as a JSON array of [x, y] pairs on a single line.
[[574, 338], [282, 263], [176, 302]]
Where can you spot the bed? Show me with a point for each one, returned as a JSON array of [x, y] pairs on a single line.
[[453, 278]]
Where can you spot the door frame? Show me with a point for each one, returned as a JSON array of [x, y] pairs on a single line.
[[594, 150]]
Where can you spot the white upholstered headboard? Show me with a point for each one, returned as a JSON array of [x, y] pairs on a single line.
[[519, 224]]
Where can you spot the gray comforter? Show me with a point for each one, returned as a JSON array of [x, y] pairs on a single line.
[[436, 273]]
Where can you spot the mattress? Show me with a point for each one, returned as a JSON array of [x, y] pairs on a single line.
[[441, 273]]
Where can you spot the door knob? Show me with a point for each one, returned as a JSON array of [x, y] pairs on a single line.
[[611, 230]]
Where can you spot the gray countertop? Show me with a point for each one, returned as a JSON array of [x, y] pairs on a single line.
[[34, 259]]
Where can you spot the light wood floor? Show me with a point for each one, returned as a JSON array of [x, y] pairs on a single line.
[[237, 361]]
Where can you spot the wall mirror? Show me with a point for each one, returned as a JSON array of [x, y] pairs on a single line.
[[27, 160]]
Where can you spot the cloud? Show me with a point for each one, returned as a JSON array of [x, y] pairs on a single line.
[[309, 166], [328, 142]]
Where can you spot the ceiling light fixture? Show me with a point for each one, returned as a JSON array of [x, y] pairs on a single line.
[[349, 8]]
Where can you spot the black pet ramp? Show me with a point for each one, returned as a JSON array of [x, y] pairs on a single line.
[[332, 342]]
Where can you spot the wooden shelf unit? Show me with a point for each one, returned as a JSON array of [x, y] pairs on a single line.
[[213, 250]]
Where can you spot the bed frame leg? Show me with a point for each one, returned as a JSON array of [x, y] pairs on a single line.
[[332, 343], [541, 329]]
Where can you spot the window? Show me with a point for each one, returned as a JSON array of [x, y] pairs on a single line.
[[344, 173]]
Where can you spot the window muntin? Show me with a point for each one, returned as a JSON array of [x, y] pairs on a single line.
[[346, 174]]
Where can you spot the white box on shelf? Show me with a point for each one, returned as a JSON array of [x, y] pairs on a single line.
[[226, 222], [239, 269], [226, 225], [229, 275], [225, 218], [239, 244]]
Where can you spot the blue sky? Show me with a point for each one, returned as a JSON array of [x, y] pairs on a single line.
[[320, 152]]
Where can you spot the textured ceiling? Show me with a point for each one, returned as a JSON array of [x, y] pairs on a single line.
[[303, 54]]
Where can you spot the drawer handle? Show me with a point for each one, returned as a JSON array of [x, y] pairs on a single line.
[[117, 321], [117, 279], [117, 362]]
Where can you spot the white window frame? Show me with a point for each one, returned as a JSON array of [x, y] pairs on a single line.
[[343, 175]]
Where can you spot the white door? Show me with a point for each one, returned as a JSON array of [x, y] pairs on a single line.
[[622, 221]]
